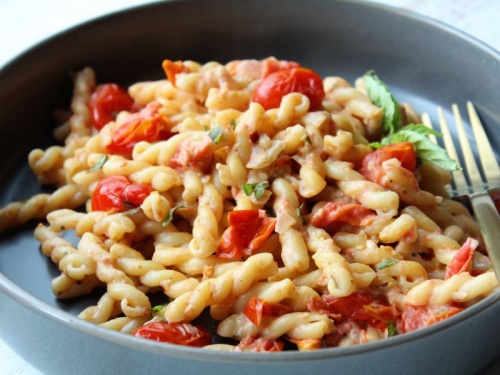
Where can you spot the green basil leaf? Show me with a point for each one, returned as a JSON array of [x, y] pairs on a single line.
[[380, 95], [257, 189], [422, 129], [215, 134], [156, 309], [170, 214], [233, 123], [387, 262], [99, 164], [426, 150], [391, 329], [248, 188]]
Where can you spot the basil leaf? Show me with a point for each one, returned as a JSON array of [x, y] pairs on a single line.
[[248, 188], [387, 262], [170, 214], [257, 189], [233, 123], [391, 329], [215, 133], [422, 129], [380, 95], [156, 309], [99, 164], [426, 150]]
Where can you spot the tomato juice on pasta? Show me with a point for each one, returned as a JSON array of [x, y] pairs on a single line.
[[298, 211]]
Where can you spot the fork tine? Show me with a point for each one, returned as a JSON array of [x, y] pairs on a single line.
[[486, 154], [427, 122], [461, 186], [475, 178]]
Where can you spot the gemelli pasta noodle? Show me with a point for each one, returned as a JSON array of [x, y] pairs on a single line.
[[299, 212]]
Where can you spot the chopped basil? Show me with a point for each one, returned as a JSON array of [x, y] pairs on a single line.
[[391, 329], [257, 189], [233, 123], [298, 210], [307, 139], [99, 164], [156, 309], [393, 130], [387, 262], [170, 214], [215, 134]]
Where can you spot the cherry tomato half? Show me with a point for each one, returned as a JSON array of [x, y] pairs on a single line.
[[416, 317], [106, 101], [282, 82], [403, 151], [174, 333], [247, 231], [117, 193], [462, 260], [257, 308], [350, 213], [147, 125]]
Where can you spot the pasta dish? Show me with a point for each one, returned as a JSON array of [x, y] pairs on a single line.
[[298, 211]]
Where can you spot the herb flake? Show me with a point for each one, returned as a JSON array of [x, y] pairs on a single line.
[[170, 214], [257, 189], [215, 134], [391, 329], [387, 262], [99, 164]]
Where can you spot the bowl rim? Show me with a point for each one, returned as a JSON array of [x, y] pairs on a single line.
[[42, 308]]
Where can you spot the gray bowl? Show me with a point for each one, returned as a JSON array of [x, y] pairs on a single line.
[[423, 62]]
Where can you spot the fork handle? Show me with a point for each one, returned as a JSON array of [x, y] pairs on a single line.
[[487, 217]]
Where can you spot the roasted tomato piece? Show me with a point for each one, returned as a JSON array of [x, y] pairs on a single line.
[[403, 151], [147, 125], [106, 101], [174, 333], [276, 85], [416, 317], [247, 231], [257, 308], [118, 194]]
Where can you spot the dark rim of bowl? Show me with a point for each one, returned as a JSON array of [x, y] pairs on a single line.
[[35, 304]]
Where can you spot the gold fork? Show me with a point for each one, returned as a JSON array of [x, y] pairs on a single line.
[[469, 180]]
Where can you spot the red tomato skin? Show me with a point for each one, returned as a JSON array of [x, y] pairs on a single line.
[[172, 68], [282, 82], [136, 193], [462, 260], [117, 193], [350, 213], [107, 100], [371, 167], [257, 308], [174, 333], [147, 125], [247, 231], [107, 194], [416, 317]]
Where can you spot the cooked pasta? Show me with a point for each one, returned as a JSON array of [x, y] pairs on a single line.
[[220, 190]]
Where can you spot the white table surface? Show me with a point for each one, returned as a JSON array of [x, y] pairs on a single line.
[[26, 22]]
